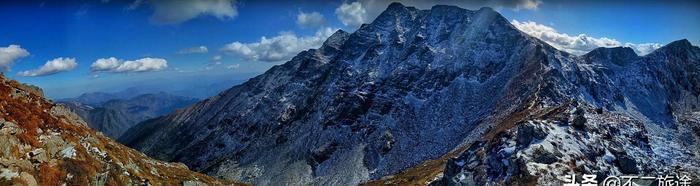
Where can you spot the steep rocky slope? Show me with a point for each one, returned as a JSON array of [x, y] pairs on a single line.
[[44, 143], [113, 117], [403, 95], [636, 115]]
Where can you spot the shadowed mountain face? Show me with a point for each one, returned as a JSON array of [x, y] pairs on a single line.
[[113, 116], [416, 85], [42, 143]]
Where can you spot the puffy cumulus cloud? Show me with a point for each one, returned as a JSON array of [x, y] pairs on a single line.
[[9, 54], [52, 67], [194, 50], [178, 11], [143, 65], [278, 48], [105, 64], [310, 20], [364, 11], [578, 44], [113, 64], [353, 14]]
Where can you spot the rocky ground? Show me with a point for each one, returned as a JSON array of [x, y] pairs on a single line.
[[42, 143], [572, 140]]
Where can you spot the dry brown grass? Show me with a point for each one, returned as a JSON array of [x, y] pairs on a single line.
[[421, 174], [49, 176]]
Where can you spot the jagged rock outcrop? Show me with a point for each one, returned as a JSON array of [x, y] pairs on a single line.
[[42, 143], [113, 117], [633, 115], [406, 93]]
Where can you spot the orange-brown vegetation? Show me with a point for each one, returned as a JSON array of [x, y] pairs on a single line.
[[50, 176], [31, 112], [421, 174]]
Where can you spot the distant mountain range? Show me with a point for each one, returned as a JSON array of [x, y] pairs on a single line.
[[445, 96], [114, 113]]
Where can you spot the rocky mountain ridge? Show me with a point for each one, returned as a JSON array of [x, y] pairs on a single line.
[[416, 85]]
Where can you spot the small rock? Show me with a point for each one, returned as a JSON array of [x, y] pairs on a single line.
[[543, 156], [28, 179], [8, 174], [388, 141], [599, 110], [528, 132], [38, 156], [193, 183], [627, 165], [68, 152], [579, 121], [323, 152]]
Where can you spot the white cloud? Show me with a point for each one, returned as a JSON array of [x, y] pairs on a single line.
[[105, 64], [364, 11], [579, 44], [234, 66], [217, 58], [310, 20], [644, 48], [215, 61], [178, 11], [278, 48], [194, 50], [113, 64], [9, 54], [352, 14], [134, 5], [52, 67]]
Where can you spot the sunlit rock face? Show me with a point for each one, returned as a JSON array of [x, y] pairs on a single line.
[[416, 85]]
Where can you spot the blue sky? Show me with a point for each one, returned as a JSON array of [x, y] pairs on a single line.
[[55, 45]]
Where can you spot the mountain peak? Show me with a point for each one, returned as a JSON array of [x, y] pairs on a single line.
[[683, 43], [336, 39], [395, 5], [680, 48], [616, 55], [395, 10], [625, 52]]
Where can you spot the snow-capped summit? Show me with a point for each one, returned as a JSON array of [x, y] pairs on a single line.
[[417, 85]]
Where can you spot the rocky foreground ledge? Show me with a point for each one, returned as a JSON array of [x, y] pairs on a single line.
[[42, 143]]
